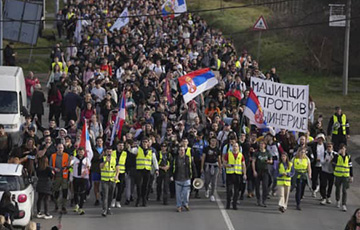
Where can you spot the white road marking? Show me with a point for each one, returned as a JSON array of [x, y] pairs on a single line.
[[224, 213]]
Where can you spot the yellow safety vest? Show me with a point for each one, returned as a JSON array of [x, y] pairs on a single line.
[[301, 166], [337, 125], [122, 161], [57, 63], [71, 168], [142, 161], [238, 64], [70, 15], [284, 180], [342, 168], [161, 157], [108, 172], [188, 153], [218, 64], [236, 164]]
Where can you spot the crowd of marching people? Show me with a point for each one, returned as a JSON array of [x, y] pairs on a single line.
[[164, 143]]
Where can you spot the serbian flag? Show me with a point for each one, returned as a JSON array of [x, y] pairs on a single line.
[[120, 119], [167, 9], [194, 83], [255, 113], [85, 141], [173, 8]]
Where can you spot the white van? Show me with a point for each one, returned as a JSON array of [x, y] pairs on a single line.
[[12, 100]]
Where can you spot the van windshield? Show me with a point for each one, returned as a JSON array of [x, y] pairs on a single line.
[[8, 102]]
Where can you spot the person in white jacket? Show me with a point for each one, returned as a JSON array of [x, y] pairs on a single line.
[[81, 166]]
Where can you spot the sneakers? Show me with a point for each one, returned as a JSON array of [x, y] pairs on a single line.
[[109, 212], [76, 209], [81, 212], [127, 202], [323, 201], [117, 204], [48, 216], [314, 194], [338, 204], [104, 213], [207, 192], [39, 215], [178, 209], [344, 208], [113, 203], [328, 201], [187, 207], [298, 207], [97, 203], [212, 198], [63, 210]]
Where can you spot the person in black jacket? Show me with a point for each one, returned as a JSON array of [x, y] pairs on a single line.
[[182, 169], [5, 145], [43, 187], [9, 54], [338, 128], [37, 103], [7, 206]]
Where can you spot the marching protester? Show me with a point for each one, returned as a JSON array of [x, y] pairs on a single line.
[[121, 156], [284, 170], [318, 148], [181, 174], [162, 182], [262, 158], [302, 174], [145, 160], [343, 173], [81, 170], [234, 162], [60, 162], [43, 187], [109, 177], [210, 164], [338, 128], [327, 174]]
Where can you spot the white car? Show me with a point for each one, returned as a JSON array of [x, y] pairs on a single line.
[[13, 178]]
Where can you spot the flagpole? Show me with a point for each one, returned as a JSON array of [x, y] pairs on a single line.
[[242, 122]]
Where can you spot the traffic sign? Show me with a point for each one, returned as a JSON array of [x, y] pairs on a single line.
[[260, 24]]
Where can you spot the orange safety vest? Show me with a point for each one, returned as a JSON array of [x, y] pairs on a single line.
[[64, 163]]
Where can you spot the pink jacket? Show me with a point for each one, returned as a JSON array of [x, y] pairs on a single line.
[[30, 83]]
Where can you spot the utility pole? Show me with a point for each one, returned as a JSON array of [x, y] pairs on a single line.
[[346, 48], [1, 33], [56, 10]]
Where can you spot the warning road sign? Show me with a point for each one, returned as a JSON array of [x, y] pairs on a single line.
[[260, 24]]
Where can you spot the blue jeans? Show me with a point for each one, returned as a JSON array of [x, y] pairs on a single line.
[[182, 193]]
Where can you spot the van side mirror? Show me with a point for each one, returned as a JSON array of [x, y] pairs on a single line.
[[23, 111]]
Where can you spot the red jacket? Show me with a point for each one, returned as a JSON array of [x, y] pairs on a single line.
[[55, 98], [30, 83]]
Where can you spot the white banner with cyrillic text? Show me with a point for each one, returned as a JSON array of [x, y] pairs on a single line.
[[285, 106]]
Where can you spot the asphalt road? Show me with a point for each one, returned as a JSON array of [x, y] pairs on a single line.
[[212, 215]]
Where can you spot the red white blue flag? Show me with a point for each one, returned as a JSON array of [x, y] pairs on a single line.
[[85, 141], [194, 83], [254, 112], [120, 120]]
